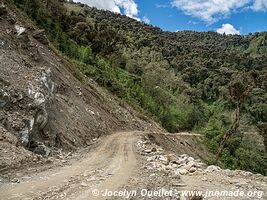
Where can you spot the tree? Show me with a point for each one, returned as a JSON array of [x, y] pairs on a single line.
[[239, 88]]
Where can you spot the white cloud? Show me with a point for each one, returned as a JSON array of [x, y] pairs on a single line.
[[146, 20], [260, 5], [212, 10], [129, 6], [102, 4], [208, 10], [228, 29]]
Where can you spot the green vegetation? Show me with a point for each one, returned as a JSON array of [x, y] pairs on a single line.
[[180, 79]]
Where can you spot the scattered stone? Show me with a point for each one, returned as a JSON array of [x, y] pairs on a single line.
[[154, 149], [190, 159], [150, 159], [228, 172], [174, 165], [15, 180], [189, 165], [40, 36], [84, 184], [180, 165], [159, 148], [147, 150], [49, 160], [20, 29], [152, 175], [43, 150], [163, 159], [213, 168], [173, 159], [192, 169], [183, 171], [248, 174]]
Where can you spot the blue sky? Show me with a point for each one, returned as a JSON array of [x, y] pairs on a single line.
[[223, 16]]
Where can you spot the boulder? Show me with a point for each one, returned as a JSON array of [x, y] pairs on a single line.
[[24, 137], [183, 171], [173, 159], [163, 160], [247, 174], [192, 170], [152, 150], [189, 165], [19, 29], [43, 150], [150, 159], [147, 150], [15, 180], [40, 36], [83, 184], [184, 155], [174, 165], [213, 168]]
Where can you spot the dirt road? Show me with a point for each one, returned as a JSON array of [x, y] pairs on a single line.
[[107, 167], [125, 161]]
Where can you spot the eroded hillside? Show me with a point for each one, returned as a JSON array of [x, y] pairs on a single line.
[[44, 107]]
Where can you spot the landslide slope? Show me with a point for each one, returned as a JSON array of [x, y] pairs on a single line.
[[45, 103]]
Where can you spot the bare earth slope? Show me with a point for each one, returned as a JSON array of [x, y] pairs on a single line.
[[46, 105]]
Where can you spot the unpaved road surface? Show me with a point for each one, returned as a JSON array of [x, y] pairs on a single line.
[[109, 166], [134, 161]]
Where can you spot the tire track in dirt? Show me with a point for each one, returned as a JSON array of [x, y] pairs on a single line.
[[115, 156]]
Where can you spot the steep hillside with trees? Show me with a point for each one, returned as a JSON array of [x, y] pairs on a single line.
[[183, 80]]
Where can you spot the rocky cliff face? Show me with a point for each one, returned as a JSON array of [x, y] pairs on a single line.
[[43, 106]]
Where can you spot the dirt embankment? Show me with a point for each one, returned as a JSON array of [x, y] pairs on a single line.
[[43, 106]]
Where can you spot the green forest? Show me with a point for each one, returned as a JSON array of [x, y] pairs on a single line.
[[203, 82]]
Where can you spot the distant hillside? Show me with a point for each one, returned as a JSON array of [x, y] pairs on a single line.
[[180, 79]]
